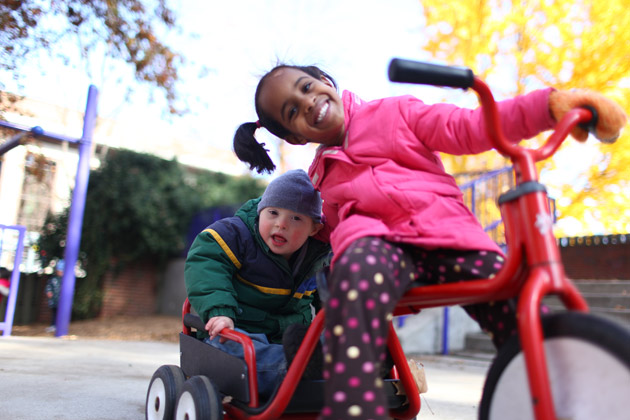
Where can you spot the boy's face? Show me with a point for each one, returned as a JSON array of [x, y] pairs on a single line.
[[309, 108], [285, 231]]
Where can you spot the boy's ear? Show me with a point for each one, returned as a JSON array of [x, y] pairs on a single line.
[[296, 140], [316, 228]]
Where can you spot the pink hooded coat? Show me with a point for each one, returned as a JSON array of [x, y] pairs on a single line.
[[387, 178]]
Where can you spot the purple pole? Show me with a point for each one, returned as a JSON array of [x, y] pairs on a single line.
[[7, 325], [75, 221], [445, 332]]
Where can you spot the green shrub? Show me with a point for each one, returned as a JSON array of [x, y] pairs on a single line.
[[137, 207]]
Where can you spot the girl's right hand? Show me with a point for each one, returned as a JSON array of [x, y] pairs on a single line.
[[216, 324]]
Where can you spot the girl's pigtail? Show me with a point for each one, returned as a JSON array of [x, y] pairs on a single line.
[[249, 151]]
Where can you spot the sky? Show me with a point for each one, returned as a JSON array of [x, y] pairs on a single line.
[[351, 40], [237, 42]]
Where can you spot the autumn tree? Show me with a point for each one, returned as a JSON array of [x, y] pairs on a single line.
[[520, 45], [131, 31]]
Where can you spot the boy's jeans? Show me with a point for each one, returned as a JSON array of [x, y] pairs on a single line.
[[271, 363]]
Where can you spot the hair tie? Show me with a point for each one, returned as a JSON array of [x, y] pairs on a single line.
[[258, 125]]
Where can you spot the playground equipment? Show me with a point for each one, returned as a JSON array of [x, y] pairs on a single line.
[[7, 324], [75, 222]]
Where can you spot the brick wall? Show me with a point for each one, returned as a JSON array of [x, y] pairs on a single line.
[[596, 257], [132, 291], [45, 313]]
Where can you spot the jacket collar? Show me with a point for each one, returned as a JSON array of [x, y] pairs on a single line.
[[351, 103]]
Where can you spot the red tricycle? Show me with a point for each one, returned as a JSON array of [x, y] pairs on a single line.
[[566, 365]]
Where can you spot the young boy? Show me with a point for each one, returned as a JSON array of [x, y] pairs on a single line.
[[254, 272], [52, 290]]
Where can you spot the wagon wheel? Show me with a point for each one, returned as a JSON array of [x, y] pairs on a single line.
[[199, 400], [164, 389]]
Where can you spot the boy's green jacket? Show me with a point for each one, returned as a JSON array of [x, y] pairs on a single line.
[[230, 271]]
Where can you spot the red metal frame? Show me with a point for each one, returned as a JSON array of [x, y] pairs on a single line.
[[533, 267], [532, 270], [248, 353], [276, 407]]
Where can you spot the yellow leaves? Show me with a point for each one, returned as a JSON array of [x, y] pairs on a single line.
[[457, 30], [520, 45]]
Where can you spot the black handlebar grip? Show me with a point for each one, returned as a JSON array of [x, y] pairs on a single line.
[[590, 126], [192, 320], [408, 71]]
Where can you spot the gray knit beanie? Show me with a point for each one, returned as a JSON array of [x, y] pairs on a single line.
[[293, 191]]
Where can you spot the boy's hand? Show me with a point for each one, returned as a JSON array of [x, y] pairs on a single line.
[[216, 324]]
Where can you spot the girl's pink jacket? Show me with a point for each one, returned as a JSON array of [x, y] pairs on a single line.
[[387, 178]]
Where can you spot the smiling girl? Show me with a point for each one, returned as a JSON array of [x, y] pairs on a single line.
[[397, 216]]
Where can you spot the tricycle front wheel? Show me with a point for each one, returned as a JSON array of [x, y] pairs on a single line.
[[589, 372]]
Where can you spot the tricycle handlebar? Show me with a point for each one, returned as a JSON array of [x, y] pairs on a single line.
[[408, 71]]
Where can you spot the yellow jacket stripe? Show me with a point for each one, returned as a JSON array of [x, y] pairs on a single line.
[[237, 263], [301, 295], [268, 290], [224, 247]]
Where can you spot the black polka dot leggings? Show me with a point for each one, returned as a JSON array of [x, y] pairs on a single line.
[[365, 284]]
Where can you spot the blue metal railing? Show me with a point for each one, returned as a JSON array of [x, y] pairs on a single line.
[[481, 195]]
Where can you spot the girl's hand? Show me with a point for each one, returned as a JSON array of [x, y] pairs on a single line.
[[216, 324], [611, 117]]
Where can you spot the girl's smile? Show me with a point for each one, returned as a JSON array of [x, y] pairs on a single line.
[[309, 108], [322, 113]]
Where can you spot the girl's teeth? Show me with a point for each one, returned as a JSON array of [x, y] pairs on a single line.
[[322, 113]]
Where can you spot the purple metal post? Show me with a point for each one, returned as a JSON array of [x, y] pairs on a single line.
[[75, 221], [7, 325], [445, 332]]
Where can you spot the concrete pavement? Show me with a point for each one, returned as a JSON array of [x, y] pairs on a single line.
[[57, 378], [455, 386]]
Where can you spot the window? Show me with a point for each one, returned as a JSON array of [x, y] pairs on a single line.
[[37, 191]]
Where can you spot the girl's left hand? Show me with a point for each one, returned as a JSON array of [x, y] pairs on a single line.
[[611, 116]]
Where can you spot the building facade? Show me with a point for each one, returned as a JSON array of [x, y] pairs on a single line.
[[37, 177]]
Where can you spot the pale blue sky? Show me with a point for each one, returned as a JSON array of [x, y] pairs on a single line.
[[238, 41]]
